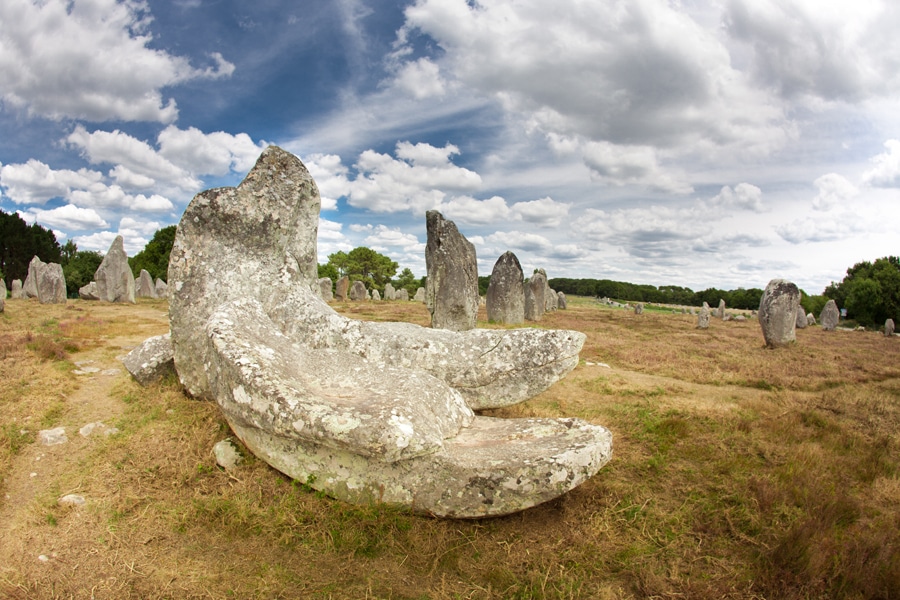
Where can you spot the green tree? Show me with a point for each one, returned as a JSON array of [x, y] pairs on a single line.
[[870, 291], [79, 269], [407, 281], [328, 270], [155, 255], [19, 243], [364, 264]]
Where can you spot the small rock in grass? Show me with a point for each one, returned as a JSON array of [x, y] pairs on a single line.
[[71, 500], [227, 455], [51, 437]]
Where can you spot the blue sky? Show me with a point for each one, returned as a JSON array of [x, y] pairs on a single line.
[[702, 144]]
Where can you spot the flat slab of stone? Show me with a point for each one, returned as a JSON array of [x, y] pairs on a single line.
[[152, 360]]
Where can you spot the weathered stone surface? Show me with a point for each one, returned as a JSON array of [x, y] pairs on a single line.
[[534, 296], [720, 312], [402, 295], [89, 291], [152, 360], [638, 309], [342, 288], [162, 289], [73, 500], [227, 455], [802, 323], [29, 288], [358, 291], [420, 295], [51, 284], [375, 411], [52, 437], [505, 298], [326, 289], [703, 317], [376, 295], [810, 319], [451, 286], [550, 300], [830, 316], [889, 328], [778, 312], [561, 301], [389, 292], [115, 281], [144, 286], [16, 292]]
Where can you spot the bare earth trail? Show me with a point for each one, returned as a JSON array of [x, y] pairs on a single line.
[[41, 474]]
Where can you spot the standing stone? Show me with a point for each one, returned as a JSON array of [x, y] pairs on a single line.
[[162, 289], [506, 292], [452, 279], [340, 290], [778, 312], [29, 288], [420, 295], [402, 295], [561, 301], [376, 295], [326, 289], [889, 328], [810, 319], [115, 281], [358, 291], [16, 292], [802, 323], [720, 312], [703, 317], [534, 296], [51, 284], [551, 299], [144, 287], [638, 309], [89, 291], [389, 292], [830, 316]]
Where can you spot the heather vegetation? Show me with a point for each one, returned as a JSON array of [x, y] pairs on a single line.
[[737, 472]]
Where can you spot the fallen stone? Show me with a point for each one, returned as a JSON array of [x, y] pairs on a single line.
[[89, 291], [889, 328], [830, 316], [777, 312], [505, 300], [374, 412], [227, 455], [152, 360], [115, 281], [451, 286], [73, 500], [326, 288], [52, 437]]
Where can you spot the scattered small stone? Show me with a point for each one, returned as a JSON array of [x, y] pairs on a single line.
[[51, 437], [227, 455], [86, 371], [90, 427], [43, 558], [71, 500]]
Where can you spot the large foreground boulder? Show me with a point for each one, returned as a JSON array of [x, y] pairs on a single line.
[[364, 411], [115, 281], [778, 312]]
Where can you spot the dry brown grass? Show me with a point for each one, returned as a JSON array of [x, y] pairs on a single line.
[[738, 472]]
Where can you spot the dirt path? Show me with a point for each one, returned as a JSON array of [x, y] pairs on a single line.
[[42, 474]]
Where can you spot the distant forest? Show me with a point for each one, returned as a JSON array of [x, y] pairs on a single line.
[[665, 294]]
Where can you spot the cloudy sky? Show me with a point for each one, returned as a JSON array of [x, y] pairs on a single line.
[[681, 142]]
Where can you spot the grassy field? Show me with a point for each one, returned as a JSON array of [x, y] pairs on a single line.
[[737, 472]]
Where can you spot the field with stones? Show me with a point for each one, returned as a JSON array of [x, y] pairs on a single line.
[[737, 472]]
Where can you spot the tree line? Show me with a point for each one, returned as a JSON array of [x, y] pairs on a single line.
[[870, 291]]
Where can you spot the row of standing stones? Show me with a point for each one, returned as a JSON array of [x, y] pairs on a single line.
[[113, 281]]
